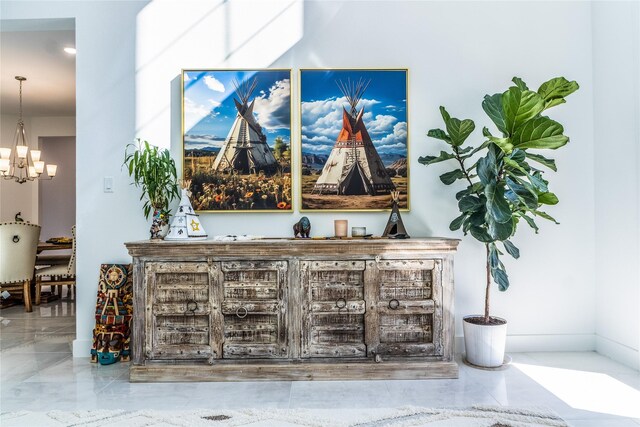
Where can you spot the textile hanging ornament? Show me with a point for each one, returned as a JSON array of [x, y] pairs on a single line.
[[186, 225]]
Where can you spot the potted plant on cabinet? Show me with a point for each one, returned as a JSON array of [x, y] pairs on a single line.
[[153, 170], [505, 187]]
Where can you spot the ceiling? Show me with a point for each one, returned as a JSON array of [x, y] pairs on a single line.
[[34, 49]]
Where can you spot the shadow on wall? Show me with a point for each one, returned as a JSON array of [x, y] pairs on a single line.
[[223, 34]]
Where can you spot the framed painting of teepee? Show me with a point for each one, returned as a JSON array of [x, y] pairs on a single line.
[[354, 142], [236, 129]]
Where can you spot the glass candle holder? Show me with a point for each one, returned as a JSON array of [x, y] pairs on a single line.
[[341, 226]]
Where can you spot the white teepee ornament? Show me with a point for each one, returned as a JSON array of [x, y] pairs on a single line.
[[185, 224]]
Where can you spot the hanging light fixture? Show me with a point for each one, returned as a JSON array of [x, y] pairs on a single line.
[[16, 165]]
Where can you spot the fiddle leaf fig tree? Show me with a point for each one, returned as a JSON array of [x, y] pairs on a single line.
[[505, 185]]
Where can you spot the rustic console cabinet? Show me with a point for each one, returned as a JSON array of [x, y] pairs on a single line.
[[293, 309]]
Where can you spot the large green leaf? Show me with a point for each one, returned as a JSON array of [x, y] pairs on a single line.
[[541, 132], [511, 249], [497, 205], [492, 105], [550, 163], [519, 106], [480, 234], [450, 177], [545, 216], [428, 160], [501, 278], [478, 218], [486, 169], [520, 83], [470, 204], [557, 88], [538, 182], [531, 223], [503, 143], [500, 231], [529, 198], [457, 223], [548, 199], [439, 134], [459, 130]]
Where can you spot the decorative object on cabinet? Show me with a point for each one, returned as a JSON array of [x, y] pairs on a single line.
[[353, 163], [250, 169], [395, 227], [504, 187], [293, 309], [185, 224], [114, 312], [340, 227], [154, 171], [302, 228], [358, 231]]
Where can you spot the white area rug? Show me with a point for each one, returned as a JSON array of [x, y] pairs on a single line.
[[396, 417]]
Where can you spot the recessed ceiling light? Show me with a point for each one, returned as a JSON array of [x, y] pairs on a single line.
[[71, 50]]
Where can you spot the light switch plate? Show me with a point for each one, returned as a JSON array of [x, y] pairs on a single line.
[[108, 184]]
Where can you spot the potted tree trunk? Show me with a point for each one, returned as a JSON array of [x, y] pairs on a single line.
[[153, 170], [505, 186]]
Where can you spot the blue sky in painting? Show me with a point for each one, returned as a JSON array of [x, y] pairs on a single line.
[[209, 110], [384, 102]]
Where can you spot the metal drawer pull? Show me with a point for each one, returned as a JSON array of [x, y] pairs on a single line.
[[245, 312], [192, 306], [394, 304], [341, 303]]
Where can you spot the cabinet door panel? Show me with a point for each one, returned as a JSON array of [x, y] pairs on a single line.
[[407, 297], [334, 307], [180, 311], [254, 309]]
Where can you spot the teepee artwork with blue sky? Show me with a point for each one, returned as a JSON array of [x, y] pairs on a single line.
[[237, 139], [354, 139]]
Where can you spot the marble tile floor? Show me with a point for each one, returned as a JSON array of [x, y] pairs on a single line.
[[38, 373]]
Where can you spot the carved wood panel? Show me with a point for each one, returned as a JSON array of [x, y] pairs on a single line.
[[407, 297], [333, 324], [179, 307], [254, 309]]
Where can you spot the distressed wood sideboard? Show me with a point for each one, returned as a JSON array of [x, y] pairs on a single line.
[[293, 310]]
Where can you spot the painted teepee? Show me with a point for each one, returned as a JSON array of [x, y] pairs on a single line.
[[185, 224], [245, 149], [354, 166]]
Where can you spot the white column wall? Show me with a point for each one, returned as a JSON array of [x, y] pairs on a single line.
[[616, 51]]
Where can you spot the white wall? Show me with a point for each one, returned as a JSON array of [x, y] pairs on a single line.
[[128, 65], [57, 197], [616, 51]]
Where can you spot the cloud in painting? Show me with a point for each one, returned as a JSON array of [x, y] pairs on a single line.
[[396, 140], [324, 117], [194, 113], [214, 84], [273, 109], [381, 124]]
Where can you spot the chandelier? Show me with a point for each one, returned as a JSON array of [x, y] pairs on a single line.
[[16, 165]]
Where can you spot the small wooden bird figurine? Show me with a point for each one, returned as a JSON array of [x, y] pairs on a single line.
[[18, 218]]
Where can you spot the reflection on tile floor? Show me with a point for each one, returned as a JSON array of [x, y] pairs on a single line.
[[38, 373]]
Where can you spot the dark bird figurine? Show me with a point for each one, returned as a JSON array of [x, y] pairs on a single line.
[[18, 218], [302, 227]]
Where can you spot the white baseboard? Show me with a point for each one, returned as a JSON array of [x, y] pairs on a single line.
[[529, 343], [82, 348], [618, 352]]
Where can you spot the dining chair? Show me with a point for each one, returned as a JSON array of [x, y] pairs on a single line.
[[58, 275], [18, 247]]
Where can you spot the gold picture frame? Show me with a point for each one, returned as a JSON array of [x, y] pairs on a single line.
[[236, 139], [353, 148]]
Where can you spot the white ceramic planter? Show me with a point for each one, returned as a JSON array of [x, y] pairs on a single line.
[[484, 344]]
